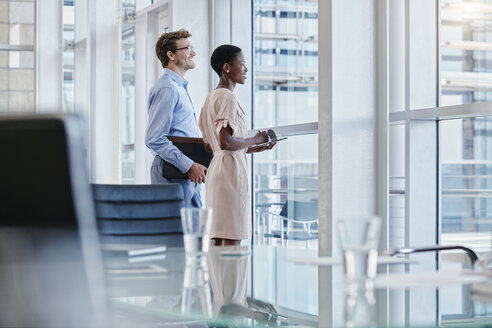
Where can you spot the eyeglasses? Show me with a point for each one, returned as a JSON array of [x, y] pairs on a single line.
[[190, 48]]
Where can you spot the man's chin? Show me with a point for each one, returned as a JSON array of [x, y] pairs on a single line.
[[191, 65]]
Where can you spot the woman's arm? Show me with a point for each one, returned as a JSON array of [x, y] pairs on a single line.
[[228, 142], [259, 150]]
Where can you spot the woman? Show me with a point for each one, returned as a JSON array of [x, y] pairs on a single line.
[[224, 128]]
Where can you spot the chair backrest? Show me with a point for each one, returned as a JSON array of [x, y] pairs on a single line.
[[140, 214], [300, 210], [50, 260]]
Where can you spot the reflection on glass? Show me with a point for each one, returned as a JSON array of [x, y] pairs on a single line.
[[465, 51], [228, 276], [360, 310], [196, 298], [286, 193]]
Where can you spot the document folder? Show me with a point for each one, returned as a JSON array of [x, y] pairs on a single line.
[[194, 148]]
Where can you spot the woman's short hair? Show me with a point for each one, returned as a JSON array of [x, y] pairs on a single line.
[[167, 42], [225, 53]]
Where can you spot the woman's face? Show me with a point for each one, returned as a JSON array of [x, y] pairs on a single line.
[[238, 69]]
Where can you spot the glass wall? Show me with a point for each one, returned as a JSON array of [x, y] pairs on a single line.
[[68, 55], [128, 92], [466, 77], [466, 51], [286, 94], [17, 56], [466, 161], [286, 62]]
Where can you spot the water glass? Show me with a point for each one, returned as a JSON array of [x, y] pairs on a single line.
[[196, 233], [359, 238]]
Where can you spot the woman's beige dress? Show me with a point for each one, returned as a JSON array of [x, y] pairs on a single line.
[[226, 182]]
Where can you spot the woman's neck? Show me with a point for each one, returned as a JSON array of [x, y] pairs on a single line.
[[226, 84]]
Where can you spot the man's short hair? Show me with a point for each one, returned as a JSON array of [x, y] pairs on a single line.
[[225, 53], [167, 42]]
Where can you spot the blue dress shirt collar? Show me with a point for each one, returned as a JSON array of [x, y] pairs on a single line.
[[176, 77]]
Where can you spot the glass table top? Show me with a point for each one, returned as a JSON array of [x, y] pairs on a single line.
[[47, 279], [264, 285]]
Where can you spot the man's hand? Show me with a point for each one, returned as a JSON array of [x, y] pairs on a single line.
[[196, 173]]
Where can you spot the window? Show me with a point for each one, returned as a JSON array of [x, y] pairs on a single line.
[[286, 99], [466, 157], [68, 55], [17, 56], [466, 164], [128, 92]]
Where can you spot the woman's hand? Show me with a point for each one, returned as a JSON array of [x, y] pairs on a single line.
[[228, 142], [261, 137], [260, 149]]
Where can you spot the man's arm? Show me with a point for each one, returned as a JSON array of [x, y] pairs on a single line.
[[161, 107]]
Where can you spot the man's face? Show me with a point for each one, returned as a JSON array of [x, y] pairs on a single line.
[[183, 57]]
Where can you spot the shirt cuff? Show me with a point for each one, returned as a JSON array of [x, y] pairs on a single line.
[[185, 164]]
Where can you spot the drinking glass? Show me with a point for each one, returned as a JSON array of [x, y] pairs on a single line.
[[196, 234], [359, 238]]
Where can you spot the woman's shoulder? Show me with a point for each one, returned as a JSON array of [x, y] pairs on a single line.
[[222, 93], [220, 96]]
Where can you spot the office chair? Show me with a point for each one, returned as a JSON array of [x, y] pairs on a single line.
[[51, 272], [298, 220], [139, 214]]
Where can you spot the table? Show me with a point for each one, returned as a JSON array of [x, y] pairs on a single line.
[[271, 286]]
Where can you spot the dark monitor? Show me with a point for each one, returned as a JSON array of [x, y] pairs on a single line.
[[50, 263], [35, 187]]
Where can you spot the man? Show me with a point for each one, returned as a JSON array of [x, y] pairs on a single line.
[[171, 113]]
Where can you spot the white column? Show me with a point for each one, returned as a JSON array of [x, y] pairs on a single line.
[[147, 71], [80, 63], [383, 60], [195, 21], [105, 90], [242, 21], [49, 86], [396, 88], [81, 71], [421, 158], [325, 155], [222, 30], [348, 131], [141, 171]]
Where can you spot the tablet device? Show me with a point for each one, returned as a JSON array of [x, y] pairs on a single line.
[[266, 143]]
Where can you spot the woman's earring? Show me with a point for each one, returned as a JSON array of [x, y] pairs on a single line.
[[227, 71]]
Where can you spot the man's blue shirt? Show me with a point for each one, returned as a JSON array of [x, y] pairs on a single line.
[[171, 113]]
